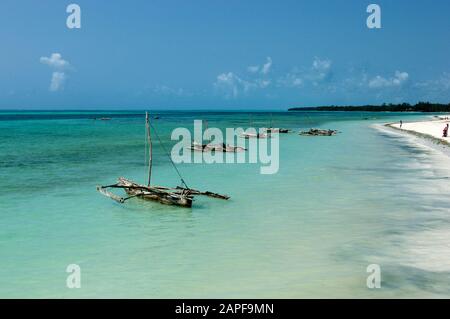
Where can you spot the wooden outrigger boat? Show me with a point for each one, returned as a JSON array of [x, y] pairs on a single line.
[[221, 147], [272, 129], [216, 148], [318, 132], [258, 133], [253, 135], [276, 130], [229, 148], [179, 196]]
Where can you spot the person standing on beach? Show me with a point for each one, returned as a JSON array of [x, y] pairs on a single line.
[[401, 123], [445, 132]]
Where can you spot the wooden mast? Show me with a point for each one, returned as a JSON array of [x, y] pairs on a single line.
[[149, 139]]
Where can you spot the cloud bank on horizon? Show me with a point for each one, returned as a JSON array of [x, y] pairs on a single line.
[[250, 55]]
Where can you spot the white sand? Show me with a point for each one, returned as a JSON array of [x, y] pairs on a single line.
[[432, 128]]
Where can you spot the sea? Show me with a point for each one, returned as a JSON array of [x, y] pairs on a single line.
[[337, 206]]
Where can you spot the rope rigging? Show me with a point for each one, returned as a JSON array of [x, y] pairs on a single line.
[[168, 155]]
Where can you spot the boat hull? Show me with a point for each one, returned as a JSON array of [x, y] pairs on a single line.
[[156, 194]]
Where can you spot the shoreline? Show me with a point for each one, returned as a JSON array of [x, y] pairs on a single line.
[[426, 133], [428, 129]]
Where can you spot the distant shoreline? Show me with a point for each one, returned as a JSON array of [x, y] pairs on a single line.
[[423, 107]]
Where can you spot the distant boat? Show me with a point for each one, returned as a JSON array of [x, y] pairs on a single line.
[[272, 129], [216, 148], [179, 196], [195, 146], [318, 132], [253, 135], [248, 135], [276, 130]]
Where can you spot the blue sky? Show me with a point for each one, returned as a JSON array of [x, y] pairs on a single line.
[[217, 54]]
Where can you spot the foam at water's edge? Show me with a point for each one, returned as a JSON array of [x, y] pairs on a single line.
[[426, 143], [427, 247]]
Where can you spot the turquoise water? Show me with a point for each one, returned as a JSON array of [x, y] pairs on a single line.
[[336, 205]]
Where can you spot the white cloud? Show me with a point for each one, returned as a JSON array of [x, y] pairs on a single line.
[[58, 64], [228, 83], [233, 85], [266, 66], [263, 83], [292, 79], [320, 70], [317, 73], [434, 89], [321, 65], [442, 83], [262, 69], [397, 80], [55, 61], [57, 81]]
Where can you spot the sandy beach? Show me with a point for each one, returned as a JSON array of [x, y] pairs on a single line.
[[432, 128]]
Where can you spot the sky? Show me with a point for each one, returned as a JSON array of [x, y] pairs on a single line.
[[222, 54]]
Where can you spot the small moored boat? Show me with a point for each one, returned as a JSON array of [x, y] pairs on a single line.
[[179, 196]]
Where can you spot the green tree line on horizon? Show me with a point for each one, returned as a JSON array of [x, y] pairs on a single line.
[[403, 107]]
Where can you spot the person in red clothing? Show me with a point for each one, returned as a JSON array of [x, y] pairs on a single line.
[[445, 132]]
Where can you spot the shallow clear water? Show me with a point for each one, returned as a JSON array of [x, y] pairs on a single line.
[[336, 205]]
